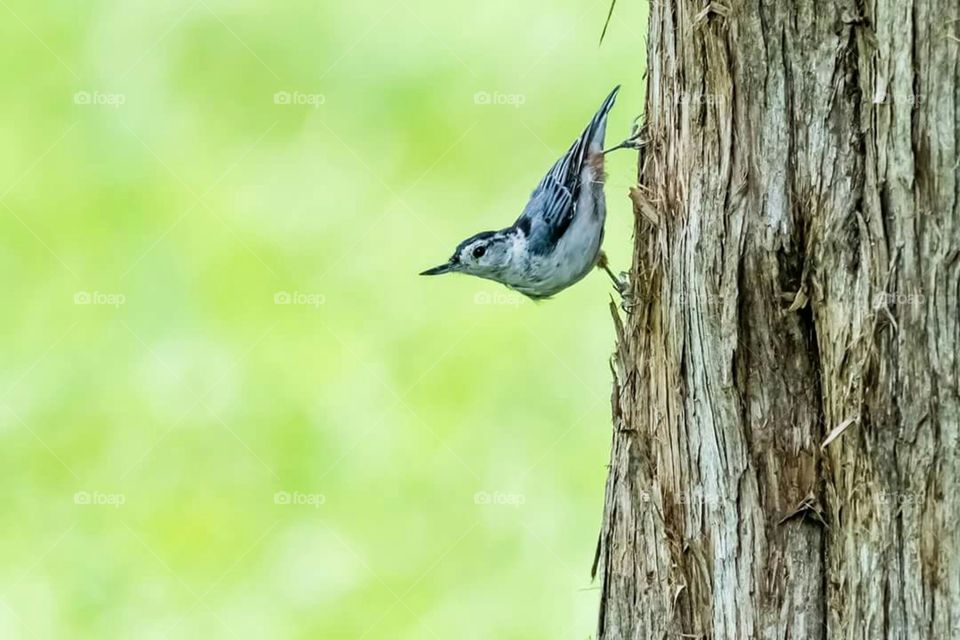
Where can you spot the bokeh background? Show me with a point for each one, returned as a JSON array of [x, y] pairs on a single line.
[[229, 408]]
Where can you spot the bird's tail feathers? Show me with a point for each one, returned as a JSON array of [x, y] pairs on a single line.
[[591, 140], [596, 130]]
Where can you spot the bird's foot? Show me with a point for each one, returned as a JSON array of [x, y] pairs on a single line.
[[637, 143], [620, 282], [637, 140]]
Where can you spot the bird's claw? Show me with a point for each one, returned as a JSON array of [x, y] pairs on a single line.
[[621, 283], [637, 140], [626, 295]]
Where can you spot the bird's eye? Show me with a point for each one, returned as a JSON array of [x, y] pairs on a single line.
[[479, 251]]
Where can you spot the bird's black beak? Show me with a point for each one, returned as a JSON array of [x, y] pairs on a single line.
[[436, 271]]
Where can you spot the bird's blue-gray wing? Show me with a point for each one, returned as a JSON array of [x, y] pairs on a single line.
[[552, 205]]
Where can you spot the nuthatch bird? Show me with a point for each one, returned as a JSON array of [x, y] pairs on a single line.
[[556, 240]]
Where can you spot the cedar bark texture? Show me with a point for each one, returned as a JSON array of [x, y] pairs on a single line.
[[785, 458]]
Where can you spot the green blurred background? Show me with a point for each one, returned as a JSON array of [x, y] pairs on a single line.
[[229, 408]]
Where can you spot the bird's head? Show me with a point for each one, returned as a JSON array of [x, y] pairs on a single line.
[[486, 255]]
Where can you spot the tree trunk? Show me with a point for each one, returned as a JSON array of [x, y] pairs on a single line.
[[785, 454]]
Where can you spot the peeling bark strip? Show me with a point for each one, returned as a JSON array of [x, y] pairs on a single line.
[[785, 458]]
